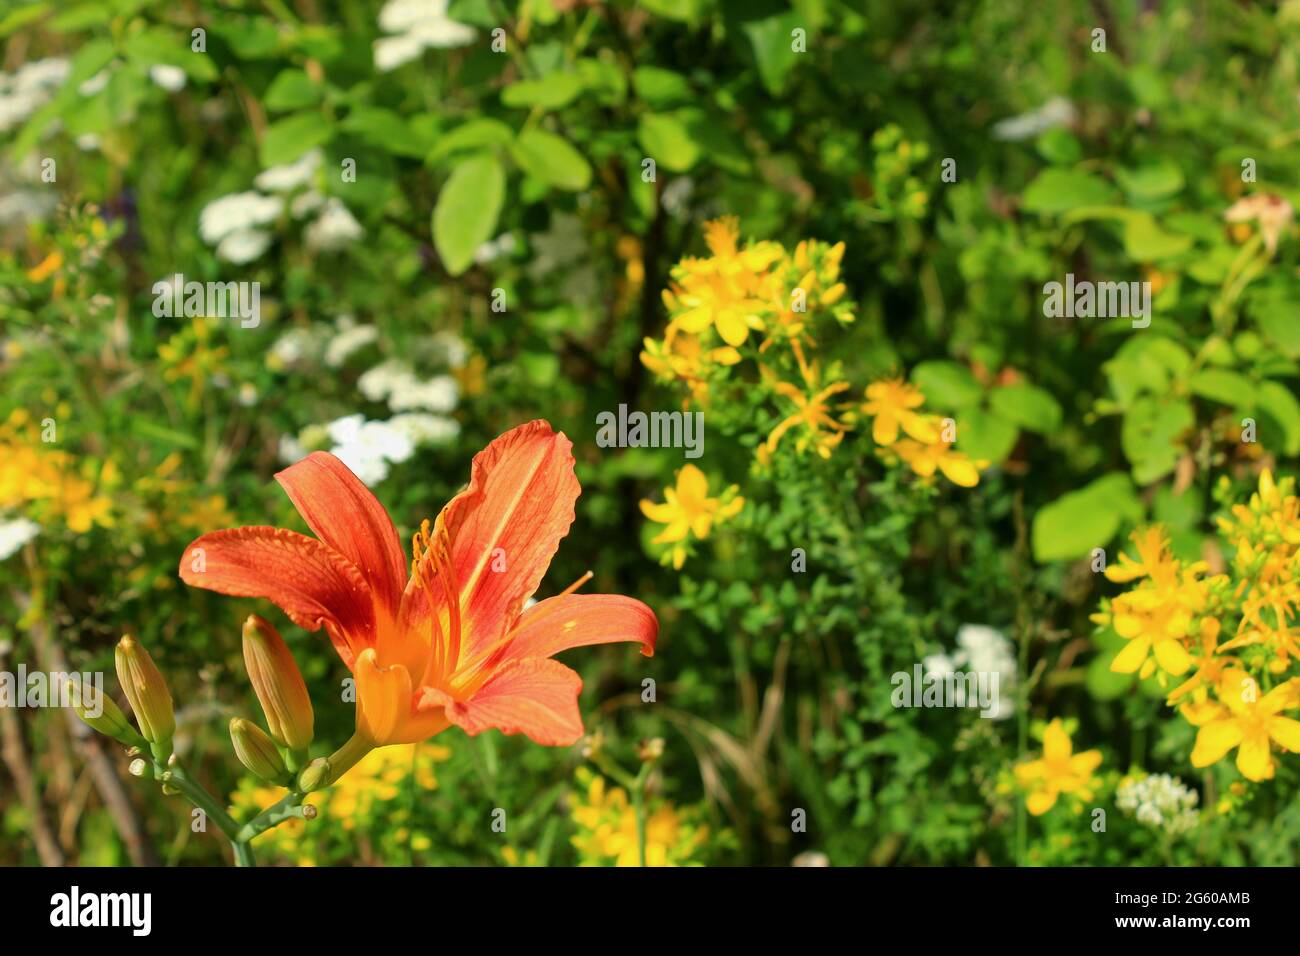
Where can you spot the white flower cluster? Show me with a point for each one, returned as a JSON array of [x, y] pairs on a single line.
[[982, 650], [371, 447], [236, 224], [394, 382], [1159, 801], [16, 533], [21, 200], [415, 26], [24, 92]]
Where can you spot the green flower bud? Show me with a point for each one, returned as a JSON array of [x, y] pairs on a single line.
[[145, 688], [256, 751], [110, 721]]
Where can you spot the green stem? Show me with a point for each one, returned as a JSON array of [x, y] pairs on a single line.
[[638, 807], [344, 759], [197, 795], [286, 809]]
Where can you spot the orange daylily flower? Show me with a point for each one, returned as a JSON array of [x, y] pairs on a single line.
[[450, 643]]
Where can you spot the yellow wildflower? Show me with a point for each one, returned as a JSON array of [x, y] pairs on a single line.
[[1058, 771], [925, 459], [607, 829], [892, 403], [1250, 724], [687, 511]]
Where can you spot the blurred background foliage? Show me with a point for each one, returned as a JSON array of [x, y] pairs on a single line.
[[393, 180]]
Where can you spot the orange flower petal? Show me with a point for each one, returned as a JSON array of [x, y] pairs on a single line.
[[534, 697], [520, 500], [578, 620], [348, 518], [312, 583]]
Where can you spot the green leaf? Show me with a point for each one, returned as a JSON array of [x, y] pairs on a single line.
[[549, 93], [667, 141], [1280, 404], [1146, 241], [552, 160], [287, 139], [947, 384], [1056, 191], [983, 434], [773, 47], [1223, 386], [661, 88], [292, 89], [1079, 521], [473, 135], [384, 129], [467, 210], [1151, 183], [1028, 406], [1152, 436], [20, 17]]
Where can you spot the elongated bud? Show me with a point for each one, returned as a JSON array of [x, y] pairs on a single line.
[[145, 688], [256, 750], [278, 684], [107, 718]]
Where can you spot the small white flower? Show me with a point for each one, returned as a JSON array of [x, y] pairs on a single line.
[[296, 346], [333, 229], [96, 83], [170, 78], [1058, 111], [367, 448], [439, 394], [244, 245], [452, 347], [348, 341], [291, 450], [494, 249], [304, 204], [237, 212], [378, 383], [425, 429], [16, 533], [26, 205], [290, 176], [418, 25]]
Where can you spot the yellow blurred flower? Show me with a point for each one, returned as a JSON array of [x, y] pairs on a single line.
[[891, 404], [688, 511], [1249, 723], [1059, 771], [607, 828]]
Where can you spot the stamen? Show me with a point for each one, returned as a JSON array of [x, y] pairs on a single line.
[[576, 584]]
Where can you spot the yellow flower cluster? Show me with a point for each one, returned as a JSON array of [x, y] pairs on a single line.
[[688, 512], [607, 828], [190, 354], [351, 803], [716, 303], [1230, 636], [893, 404], [49, 484], [1058, 772], [172, 502]]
